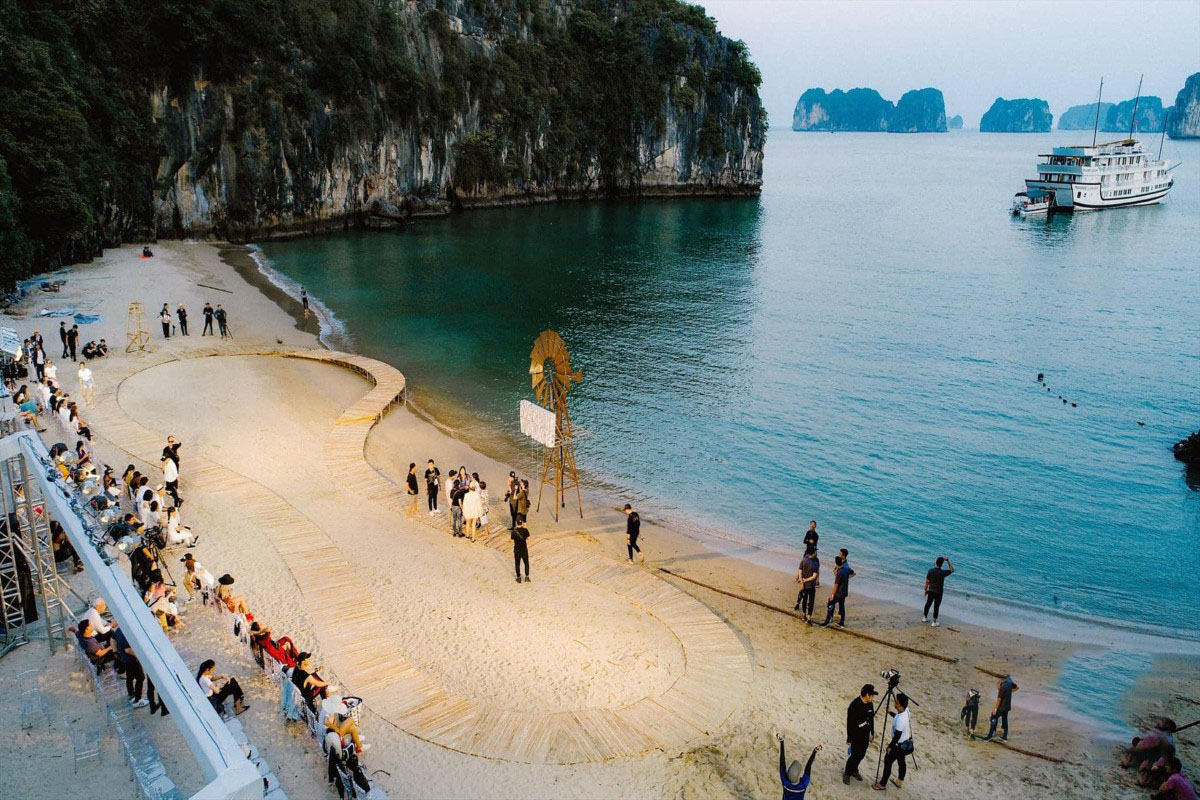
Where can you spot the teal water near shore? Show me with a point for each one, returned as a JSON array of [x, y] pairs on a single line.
[[859, 346]]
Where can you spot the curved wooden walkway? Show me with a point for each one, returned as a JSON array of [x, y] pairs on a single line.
[[717, 670]]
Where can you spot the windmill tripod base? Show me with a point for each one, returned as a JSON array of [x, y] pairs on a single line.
[[558, 470]]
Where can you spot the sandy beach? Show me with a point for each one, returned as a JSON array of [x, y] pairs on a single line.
[[705, 635]]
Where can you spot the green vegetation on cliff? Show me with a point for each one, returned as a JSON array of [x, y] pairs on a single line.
[[108, 106]]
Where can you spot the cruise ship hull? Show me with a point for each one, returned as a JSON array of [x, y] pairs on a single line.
[[1088, 197]]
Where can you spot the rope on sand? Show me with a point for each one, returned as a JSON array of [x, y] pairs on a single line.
[[791, 613]]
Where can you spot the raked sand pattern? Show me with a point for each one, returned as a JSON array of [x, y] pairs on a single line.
[[716, 674]]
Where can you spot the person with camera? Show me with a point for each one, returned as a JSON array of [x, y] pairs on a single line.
[[860, 727], [901, 745]]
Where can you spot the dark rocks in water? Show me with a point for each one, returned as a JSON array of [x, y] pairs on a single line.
[[1022, 115], [1040, 377], [919, 111], [1149, 116], [1188, 450], [1184, 119], [955, 123], [1082, 118]]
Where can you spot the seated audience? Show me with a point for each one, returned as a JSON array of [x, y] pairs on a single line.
[[219, 687]]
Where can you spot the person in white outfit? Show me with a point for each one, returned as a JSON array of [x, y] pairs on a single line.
[[472, 510], [178, 533], [86, 385]]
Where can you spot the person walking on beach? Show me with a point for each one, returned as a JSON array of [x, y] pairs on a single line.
[[900, 746], [795, 783], [62, 334], [808, 576], [164, 317], [171, 479], [841, 590], [87, 385], [181, 312], [304, 299], [520, 539], [433, 479], [1004, 693], [860, 728], [72, 342], [208, 320], [935, 582], [633, 527], [222, 321], [413, 491]]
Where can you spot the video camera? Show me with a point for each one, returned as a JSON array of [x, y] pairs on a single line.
[[892, 676]]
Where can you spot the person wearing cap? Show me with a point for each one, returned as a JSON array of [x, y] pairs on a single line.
[[860, 727], [234, 602], [339, 721], [305, 679], [795, 784], [808, 575], [900, 745]]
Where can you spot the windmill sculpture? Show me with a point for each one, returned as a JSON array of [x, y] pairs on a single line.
[[551, 375]]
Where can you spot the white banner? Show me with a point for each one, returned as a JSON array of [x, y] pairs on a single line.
[[10, 342], [537, 423]]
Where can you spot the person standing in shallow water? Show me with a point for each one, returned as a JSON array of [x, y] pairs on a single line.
[[304, 299], [208, 320], [633, 528], [935, 582]]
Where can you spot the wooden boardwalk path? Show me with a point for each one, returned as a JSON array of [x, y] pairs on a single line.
[[347, 622]]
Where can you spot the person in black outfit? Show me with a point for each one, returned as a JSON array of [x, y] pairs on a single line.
[[520, 537], [208, 320], [633, 527], [221, 321], [811, 536], [860, 728], [72, 342], [164, 317], [935, 583], [62, 334], [171, 450], [182, 314], [433, 480]]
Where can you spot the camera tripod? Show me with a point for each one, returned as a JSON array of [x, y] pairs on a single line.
[[893, 683]]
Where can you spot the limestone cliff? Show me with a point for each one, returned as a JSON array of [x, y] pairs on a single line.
[[919, 110], [1022, 115], [955, 123], [1149, 115], [255, 172], [1083, 118], [1184, 121]]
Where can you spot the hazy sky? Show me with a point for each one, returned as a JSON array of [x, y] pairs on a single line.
[[973, 50]]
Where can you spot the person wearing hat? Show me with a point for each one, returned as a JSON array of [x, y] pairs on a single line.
[[339, 721], [305, 679], [795, 784], [234, 602], [808, 575], [860, 727]]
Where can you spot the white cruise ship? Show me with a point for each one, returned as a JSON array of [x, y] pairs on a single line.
[[1111, 175]]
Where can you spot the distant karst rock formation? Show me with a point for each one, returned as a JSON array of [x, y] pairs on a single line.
[[1082, 118], [919, 111], [1022, 115], [955, 123], [1149, 115], [1184, 122]]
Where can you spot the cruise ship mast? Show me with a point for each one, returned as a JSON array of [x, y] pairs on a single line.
[[1096, 127], [1133, 119]]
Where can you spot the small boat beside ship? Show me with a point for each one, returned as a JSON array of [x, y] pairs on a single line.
[[1116, 174]]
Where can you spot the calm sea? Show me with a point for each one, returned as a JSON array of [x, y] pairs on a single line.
[[859, 346]]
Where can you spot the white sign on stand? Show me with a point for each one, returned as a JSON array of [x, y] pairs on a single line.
[[537, 423]]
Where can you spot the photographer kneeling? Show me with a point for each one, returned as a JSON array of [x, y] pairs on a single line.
[[901, 745]]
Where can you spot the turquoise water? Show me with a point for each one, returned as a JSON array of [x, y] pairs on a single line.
[[859, 346]]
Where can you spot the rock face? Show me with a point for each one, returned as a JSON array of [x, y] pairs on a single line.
[[919, 110], [1149, 116], [1184, 122], [248, 120], [1023, 115], [1082, 118], [955, 123]]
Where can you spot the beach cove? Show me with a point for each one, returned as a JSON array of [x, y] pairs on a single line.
[[562, 644]]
